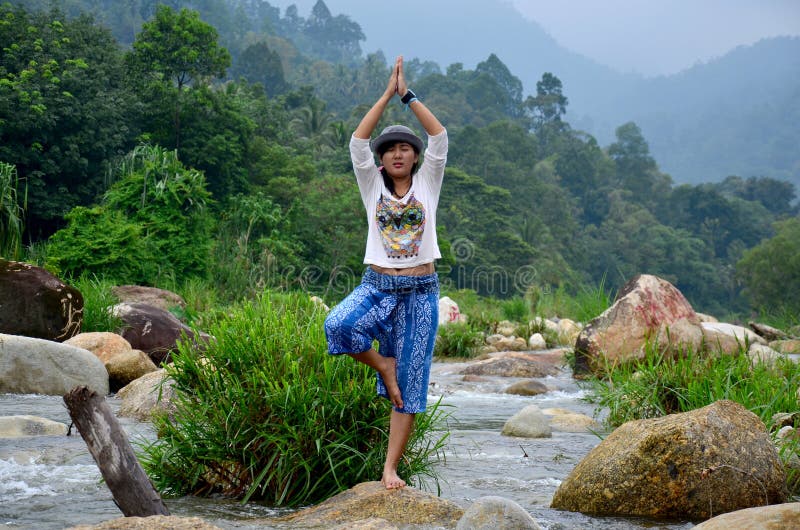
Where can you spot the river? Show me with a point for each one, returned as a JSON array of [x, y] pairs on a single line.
[[51, 482]]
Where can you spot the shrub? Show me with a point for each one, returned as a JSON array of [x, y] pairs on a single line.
[[267, 414], [153, 222]]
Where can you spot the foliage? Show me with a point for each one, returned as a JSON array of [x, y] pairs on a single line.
[[771, 269], [659, 384], [12, 212], [457, 339], [65, 110], [154, 221], [516, 309], [267, 414], [253, 248]]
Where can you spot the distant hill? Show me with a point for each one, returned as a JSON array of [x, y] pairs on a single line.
[[738, 114]]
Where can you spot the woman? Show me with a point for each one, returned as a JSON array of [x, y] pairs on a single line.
[[397, 300]]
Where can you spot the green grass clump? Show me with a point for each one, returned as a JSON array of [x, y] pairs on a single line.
[[457, 339], [659, 384], [97, 303], [265, 413]]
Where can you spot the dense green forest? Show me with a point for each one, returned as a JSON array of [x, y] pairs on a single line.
[[208, 139]]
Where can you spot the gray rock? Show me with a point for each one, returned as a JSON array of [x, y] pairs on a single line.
[[530, 422], [530, 387], [37, 366], [496, 513], [20, 426], [149, 394]]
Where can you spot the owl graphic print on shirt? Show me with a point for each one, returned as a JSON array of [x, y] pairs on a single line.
[[401, 226]]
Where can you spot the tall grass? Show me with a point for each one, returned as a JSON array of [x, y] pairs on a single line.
[[97, 303], [582, 305], [12, 212], [659, 384], [457, 339], [267, 414]]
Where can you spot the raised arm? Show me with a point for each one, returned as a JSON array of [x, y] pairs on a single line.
[[373, 115], [426, 118]]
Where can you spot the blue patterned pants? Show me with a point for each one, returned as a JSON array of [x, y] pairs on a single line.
[[402, 314]]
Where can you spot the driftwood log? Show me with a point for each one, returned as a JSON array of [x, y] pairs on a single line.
[[129, 484]]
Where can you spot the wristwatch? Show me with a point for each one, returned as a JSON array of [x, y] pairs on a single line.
[[408, 97]]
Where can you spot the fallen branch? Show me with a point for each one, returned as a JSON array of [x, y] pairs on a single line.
[[129, 484]]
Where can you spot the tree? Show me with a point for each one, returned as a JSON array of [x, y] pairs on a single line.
[[549, 104], [259, 64], [511, 85], [636, 170], [177, 50], [770, 271], [65, 109]]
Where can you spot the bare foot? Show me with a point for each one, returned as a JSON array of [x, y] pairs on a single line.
[[389, 375], [391, 481]]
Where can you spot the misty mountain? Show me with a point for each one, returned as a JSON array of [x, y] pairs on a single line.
[[736, 115]]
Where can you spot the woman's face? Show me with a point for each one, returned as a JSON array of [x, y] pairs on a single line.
[[398, 160]]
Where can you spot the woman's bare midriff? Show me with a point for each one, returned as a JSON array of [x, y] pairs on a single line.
[[419, 270]]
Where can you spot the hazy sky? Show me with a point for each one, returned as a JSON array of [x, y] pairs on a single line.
[[669, 35]]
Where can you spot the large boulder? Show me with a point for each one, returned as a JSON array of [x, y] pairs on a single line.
[[691, 465], [648, 309], [150, 394], [24, 425], [529, 422], [153, 296], [37, 366], [372, 501], [154, 331], [777, 517], [34, 303], [496, 513]]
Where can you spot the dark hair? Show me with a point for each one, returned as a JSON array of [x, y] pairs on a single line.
[[387, 180]]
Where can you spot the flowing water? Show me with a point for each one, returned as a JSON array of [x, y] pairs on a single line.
[[51, 482]]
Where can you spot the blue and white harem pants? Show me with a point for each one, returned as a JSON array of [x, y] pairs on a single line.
[[402, 314]]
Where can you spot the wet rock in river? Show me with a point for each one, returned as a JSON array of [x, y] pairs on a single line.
[[494, 513], [715, 459]]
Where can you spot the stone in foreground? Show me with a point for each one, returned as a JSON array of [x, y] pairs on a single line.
[[692, 465], [372, 501], [776, 517], [496, 513]]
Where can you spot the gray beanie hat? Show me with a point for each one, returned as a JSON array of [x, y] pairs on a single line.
[[393, 134]]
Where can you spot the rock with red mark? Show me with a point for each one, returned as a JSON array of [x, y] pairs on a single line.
[[34, 303], [648, 309]]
